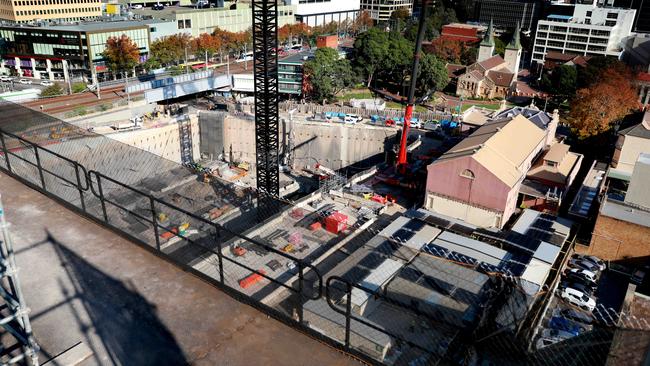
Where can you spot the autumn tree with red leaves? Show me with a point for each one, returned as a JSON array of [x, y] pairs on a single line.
[[206, 43], [121, 54], [597, 108]]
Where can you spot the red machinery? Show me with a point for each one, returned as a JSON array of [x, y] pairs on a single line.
[[401, 156]]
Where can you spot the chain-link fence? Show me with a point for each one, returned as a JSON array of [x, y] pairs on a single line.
[[375, 296]]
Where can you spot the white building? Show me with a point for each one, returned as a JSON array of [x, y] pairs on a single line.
[[381, 10], [319, 12], [591, 30]]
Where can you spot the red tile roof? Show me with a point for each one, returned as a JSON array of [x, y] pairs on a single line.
[[491, 62], [501, 78]]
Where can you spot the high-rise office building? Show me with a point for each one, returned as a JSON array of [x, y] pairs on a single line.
[[592, 30], [509, 13], [642, 20], [23, 11], [381, 10]]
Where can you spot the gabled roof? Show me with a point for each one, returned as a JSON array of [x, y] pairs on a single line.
[[556, 153], [501, 147], [492, 62], [641, 130], [501, 77]]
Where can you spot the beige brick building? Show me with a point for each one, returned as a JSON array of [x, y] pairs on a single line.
[[23, 11]]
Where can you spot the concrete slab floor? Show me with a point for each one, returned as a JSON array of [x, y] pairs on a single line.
[[89, 289]]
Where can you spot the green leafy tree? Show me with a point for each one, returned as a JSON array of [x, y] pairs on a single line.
[[399, 58], [371, 49], [562, 81], [499, 46], [432, 75], [327, 75], [52, 91]]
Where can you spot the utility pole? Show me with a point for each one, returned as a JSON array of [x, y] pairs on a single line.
[[187, 70]]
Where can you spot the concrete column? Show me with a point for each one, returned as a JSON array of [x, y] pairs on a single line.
[[35, 74], [50, 73], [66, 76], [19, 71], [640, 93], [647, 96], [3, 68]]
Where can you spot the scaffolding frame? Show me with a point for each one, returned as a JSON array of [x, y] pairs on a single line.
[[14, 312]]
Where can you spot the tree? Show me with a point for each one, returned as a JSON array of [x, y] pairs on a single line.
[[596, 108], [432, 75], [289, 33], [499, 46], [206, 43], [591, 73], [52, 90], [168, 50], [398, 61], [446, 49], [371, 49], [562, 81], [121, 54], [362, 23], [400, 14], [327, 75]]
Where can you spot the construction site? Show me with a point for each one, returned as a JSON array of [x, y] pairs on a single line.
[[317, 224]]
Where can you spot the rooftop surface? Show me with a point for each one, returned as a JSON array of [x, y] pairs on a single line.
[[91, 284], [90, 26]]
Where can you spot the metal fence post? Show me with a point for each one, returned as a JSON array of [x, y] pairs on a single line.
[[40, 168], [5, 151], [217, 238], [301, 279], [154, 220], [348, 315], [101, 197], [81, 193]]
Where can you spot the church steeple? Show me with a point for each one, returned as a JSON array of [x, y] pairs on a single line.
[[488, 40], [512, 54], [486, 49], [515, 42]]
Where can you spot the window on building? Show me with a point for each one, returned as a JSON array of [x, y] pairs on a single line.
[[610, 23], [552, 164], [612, 15], [587, 21], [181, 24], [588, 14], [467, 174]]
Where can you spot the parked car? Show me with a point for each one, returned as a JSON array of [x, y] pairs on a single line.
[[583, 273], [25, 81], [416, 123], [157, 6], [6, 78], [592, 259], [578, 298], [352, 118], [572, 278], [576, 316], [583, 264], [545, 342], [560, 323], [579, 285], [556, 333], [136, 6], [47, 83]]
